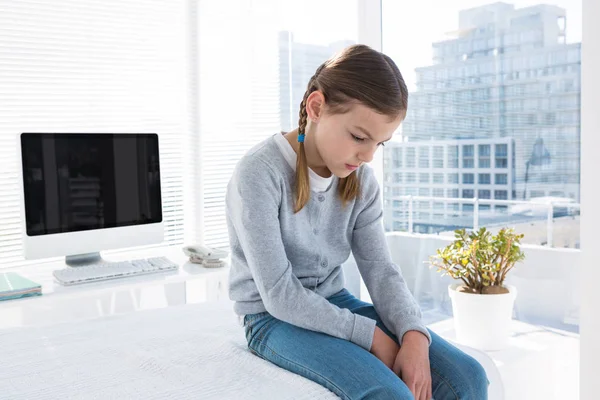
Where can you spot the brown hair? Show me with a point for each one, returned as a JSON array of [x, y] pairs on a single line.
[[356, 74]]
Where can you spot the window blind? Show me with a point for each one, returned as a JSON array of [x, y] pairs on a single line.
[[95, 66]]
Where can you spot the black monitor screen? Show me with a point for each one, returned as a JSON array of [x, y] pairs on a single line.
[[77, 182]]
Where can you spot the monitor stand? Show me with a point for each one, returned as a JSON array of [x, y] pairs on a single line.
[[82, 260]]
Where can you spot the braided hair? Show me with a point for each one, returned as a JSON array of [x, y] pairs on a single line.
[[302, 180]]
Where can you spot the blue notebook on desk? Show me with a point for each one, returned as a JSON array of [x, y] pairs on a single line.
[[15, 286]]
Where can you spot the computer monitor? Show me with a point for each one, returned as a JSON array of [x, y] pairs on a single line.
[[87, 192]]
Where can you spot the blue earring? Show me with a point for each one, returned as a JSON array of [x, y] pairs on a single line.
[[301, 138]]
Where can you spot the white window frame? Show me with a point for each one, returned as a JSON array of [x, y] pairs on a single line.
[[590, 193], [370, 33]]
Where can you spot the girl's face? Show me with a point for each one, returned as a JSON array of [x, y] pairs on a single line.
[[346, 141]]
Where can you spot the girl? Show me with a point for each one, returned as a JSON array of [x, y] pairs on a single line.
[[297, 204]]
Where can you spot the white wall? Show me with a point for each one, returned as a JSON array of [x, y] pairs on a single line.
[[590, 209]]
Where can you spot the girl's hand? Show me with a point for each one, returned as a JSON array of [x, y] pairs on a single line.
[[412, 364], [384, 348]]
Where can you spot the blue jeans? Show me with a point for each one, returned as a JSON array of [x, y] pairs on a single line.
[[352, 372]]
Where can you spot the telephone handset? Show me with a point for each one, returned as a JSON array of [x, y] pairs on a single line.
[[208, 257]]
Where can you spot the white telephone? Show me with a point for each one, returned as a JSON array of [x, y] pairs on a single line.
[[208, 257]]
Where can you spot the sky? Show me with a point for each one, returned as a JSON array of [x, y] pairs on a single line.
[[408, 27], [409, 31]]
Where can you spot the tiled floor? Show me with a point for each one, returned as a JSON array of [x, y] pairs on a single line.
[[540, 363]]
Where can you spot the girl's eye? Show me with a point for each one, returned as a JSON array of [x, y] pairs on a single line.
[[359, 139]]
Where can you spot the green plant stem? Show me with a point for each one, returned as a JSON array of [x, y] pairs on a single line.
[[504, 257]]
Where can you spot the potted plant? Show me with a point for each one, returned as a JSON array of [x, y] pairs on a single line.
[[482, 304]]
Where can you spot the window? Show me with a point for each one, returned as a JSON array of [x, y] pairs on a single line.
[[502, 156], [484, 194], [423, 177], [485, 108], [424, 192], [438, 192], [279, 57], [468, 160], [423, 157], [410, 157], [438, 178], [484, 163], [452, 156], [58, 83], [536, 193], [484, 156], [438, 157], [397, 157], [452, 178], [142, 72], [411, 177], [501, 179], [500, 195], [468, 150], [501, 150], [501, 162], [398, 226], [550, 118], [484, 150]]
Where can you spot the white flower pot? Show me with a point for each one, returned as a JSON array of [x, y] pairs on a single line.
[[482, 321]]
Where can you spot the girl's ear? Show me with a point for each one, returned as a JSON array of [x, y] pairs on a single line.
[[315, 104]]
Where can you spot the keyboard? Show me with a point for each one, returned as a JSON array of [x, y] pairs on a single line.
[[113, 270]]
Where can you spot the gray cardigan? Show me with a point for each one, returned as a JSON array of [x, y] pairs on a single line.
[[288, 264]]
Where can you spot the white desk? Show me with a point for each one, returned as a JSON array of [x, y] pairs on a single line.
[[191, 283]]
